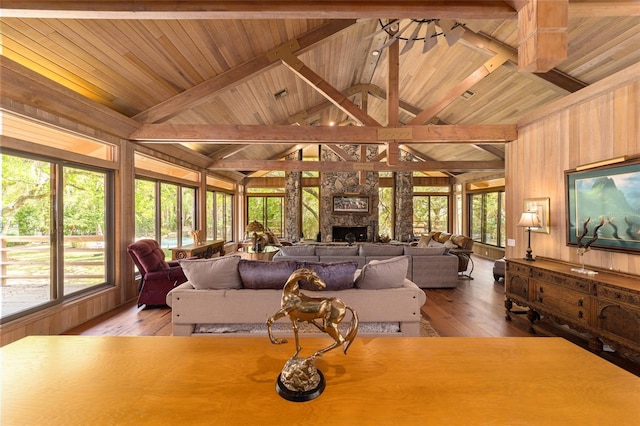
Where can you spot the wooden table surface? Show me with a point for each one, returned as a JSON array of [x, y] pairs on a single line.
[[90, 380]]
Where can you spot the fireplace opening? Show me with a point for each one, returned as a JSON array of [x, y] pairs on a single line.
[[339, 233]]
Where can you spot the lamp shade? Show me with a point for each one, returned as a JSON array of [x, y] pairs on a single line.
[[529, 220], [255, 226]]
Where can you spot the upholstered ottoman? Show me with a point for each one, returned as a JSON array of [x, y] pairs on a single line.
[[498, 269]]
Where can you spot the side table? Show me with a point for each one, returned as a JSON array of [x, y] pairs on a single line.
[[203, 251], [465, 254], [266, 254]]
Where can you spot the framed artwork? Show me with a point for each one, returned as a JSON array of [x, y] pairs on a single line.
[[606, 196], [541, 207], [349, 204]]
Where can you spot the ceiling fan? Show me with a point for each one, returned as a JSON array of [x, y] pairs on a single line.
[[452, 31]]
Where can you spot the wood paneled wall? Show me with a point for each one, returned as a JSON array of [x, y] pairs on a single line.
[[599, 122]]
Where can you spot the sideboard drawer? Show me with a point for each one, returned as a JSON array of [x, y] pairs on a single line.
[[571, 304]]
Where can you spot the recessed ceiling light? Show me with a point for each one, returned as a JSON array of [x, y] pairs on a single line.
[[281, 94]]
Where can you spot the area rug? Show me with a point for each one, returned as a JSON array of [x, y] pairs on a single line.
[[426, 330]]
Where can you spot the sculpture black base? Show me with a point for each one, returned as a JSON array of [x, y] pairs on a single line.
[[293, 396]]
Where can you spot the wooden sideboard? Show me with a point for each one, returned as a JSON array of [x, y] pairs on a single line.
[[605, 306], [204, 251]]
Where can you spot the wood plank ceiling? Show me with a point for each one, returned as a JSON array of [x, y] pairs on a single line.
[[205, 75]]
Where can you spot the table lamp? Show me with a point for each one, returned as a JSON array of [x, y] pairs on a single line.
[[529, 220]]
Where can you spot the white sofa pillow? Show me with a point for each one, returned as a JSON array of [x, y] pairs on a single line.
[[379, 274], [216, 273]]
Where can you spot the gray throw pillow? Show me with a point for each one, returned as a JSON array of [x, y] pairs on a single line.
[[216, 273], [261, 275], [379, 274]]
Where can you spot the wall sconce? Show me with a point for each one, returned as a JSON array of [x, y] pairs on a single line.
[[529, 220]]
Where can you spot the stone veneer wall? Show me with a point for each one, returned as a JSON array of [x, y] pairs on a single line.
[[332, 183], [292, 202], [404, 202]]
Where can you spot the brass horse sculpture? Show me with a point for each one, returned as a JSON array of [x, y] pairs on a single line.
[[300, 307]]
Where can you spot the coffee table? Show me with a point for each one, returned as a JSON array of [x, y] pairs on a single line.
[[91, 380]]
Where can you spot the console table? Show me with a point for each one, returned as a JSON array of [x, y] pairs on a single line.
[[203, 251], [605, 305], [87, 380]]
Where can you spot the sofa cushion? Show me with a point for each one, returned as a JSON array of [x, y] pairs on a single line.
[[336, 251], [336, 275], [425, 251], [435, 243], [215, 273], [260, 275], [379, 274], [298, 250], [424, 241], [381, 250], [462, 241]]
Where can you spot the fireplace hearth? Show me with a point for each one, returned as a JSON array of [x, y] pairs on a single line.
[[339, 233]]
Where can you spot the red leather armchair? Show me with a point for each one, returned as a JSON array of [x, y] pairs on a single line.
[[158, 276]]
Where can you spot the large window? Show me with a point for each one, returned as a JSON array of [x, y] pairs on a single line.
[[487, 218], [385, 212], [430, 209], [268, 210], [310, 211], [55, 227], [165, 212], [219, 215]]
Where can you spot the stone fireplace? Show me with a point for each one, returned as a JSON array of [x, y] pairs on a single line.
[[339, 233]]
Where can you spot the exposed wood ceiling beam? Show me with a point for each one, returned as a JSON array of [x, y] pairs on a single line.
[[483, 41], [274, 134], [487, 68], [493, 150], [238, 9], [203, 91], [542, 30], [353, 166], [230, 9], [227, 151], [288, 58], [420, 156], [344, 155]]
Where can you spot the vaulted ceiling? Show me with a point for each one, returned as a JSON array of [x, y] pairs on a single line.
[[201, 79]]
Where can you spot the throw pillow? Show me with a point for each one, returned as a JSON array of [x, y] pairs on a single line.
[[388, 273], [260, 275], [216, 273], [425, 251], [450, 244], [424, 241], [336, 275]]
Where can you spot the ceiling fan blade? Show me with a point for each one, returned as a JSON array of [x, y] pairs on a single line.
[[394, 37], [384, 28], [409, 44], [430, 39], [454, 35]]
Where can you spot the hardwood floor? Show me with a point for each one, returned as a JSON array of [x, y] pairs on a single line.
[[474, 308]]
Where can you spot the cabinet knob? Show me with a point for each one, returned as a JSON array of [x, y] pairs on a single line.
[[580, 314], [540, 299], [541, 290], [580, 302]]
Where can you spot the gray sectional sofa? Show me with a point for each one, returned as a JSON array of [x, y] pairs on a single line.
[[429, 267]]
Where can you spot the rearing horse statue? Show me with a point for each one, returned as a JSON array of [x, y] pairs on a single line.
[[300, 307]]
